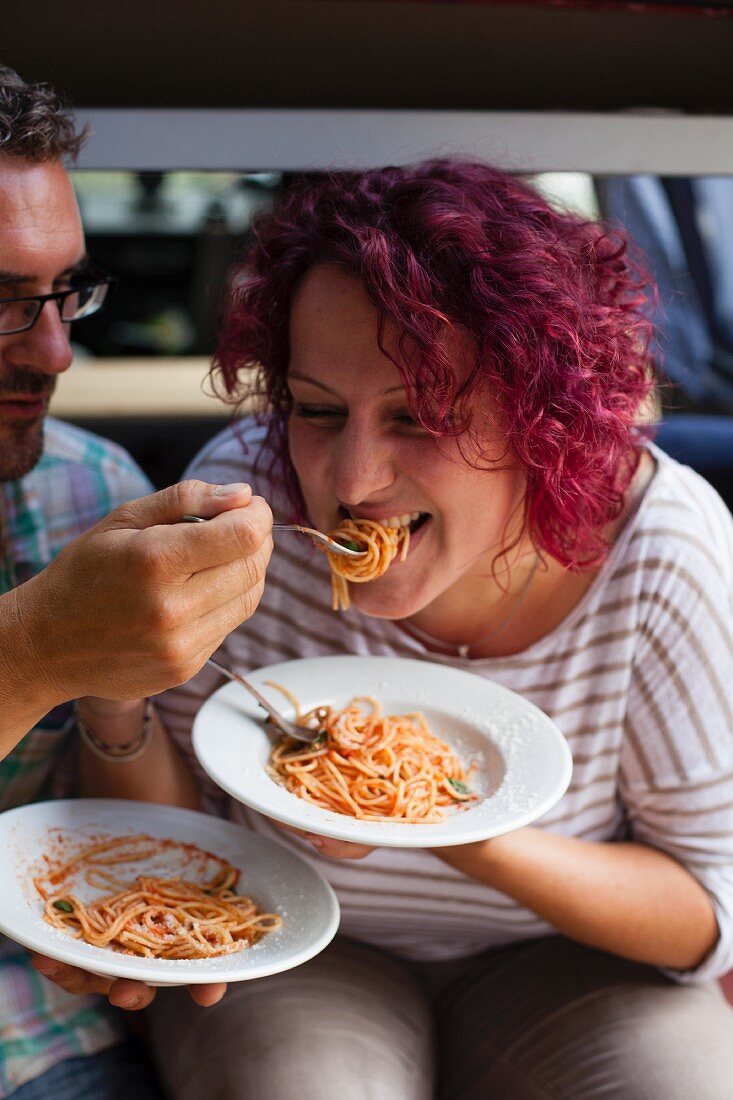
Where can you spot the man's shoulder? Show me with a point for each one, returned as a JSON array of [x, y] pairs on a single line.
[[68, 445], [78, 480]]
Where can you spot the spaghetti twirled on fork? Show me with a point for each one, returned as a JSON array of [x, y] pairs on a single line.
[[382, 545]]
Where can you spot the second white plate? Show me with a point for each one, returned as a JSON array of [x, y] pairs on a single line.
[[279, 881]]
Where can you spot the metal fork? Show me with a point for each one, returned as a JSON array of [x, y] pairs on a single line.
[[282, 725], [318, 536]]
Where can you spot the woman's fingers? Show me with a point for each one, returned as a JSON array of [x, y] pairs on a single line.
[[334, 849], [70, 978], [207, 995], [338, 849], [122, 992], [130, 995]]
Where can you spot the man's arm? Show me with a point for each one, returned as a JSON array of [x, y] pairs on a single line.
[[134, 606]]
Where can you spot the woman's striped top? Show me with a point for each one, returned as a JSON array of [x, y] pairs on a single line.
[[639, 677]]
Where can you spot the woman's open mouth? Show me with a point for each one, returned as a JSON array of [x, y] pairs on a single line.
[[412, 520]]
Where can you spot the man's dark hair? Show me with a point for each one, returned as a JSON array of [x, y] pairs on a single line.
[[35, 123]]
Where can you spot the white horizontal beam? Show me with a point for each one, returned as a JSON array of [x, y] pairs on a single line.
[[277, 140], [137, 387]]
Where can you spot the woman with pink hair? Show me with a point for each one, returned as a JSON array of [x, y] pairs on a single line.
[[438, 344]]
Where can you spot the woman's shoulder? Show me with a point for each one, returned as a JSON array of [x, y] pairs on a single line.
[[669, 574], [682, 521], [231, 454]]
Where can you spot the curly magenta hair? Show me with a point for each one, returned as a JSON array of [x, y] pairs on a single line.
[[556, 306]]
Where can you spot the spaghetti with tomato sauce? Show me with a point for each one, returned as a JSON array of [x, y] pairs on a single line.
[[153, 916], [372, 766]]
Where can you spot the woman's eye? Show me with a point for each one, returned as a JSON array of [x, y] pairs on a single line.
[[405, 420], [316, 412]]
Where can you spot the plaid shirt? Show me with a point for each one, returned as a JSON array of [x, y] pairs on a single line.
[[78, 480]]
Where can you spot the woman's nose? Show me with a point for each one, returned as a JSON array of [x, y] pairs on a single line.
[[363, 466]]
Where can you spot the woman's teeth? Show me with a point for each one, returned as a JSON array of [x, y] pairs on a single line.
[[400, 521]]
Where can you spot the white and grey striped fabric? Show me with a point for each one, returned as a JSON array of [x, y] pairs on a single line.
[[639, 677]]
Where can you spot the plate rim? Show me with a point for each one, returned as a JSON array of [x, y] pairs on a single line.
[[381, 834], [116, 964]]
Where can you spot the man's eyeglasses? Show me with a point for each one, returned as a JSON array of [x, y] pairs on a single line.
[[83, 299]]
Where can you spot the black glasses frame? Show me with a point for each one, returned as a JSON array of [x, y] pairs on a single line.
[[85, 282]]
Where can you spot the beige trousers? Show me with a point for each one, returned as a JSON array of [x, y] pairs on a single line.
[[545, 1019]]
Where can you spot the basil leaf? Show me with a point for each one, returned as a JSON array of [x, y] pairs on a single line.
[[459, 786], [64, 906], [349, 544]]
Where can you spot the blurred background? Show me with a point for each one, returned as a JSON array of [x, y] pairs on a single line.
[[612, 109], [172, 239]]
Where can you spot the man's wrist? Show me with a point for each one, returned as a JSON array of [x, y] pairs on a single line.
[[25, 672]]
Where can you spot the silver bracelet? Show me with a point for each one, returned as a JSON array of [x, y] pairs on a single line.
[[117, 754]]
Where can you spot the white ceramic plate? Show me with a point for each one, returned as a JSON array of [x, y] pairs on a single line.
[[523, 761], [277, 878]]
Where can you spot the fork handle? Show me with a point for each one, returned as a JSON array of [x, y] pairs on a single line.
[[283, 725], [273, 715]]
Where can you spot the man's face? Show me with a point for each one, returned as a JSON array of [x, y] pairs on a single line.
[[41, 246]]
